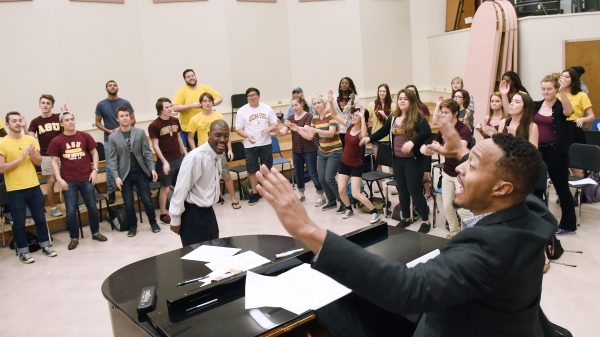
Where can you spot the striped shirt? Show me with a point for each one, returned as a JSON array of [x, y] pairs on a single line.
[[327, 144]]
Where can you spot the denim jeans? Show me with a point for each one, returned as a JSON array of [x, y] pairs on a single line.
[[110, 180], [329, 164], [88, 194], [310, 159], [142, 184], [18, 200]]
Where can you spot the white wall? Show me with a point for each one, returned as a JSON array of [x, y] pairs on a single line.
[[71, 49]]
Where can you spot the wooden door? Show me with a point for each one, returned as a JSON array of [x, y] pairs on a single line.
[[468, 10], [585, 54]]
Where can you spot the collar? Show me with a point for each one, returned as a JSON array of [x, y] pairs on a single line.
[[210, 151], [472, 221]]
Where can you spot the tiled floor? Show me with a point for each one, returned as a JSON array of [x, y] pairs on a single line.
[[61, 296]]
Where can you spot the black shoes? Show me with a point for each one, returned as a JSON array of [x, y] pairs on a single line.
[[425, 228], [132, 232], [155, 227], [404, 223], [111, 198]]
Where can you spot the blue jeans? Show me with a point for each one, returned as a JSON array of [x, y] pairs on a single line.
[[89, 197], [184, 138], [18, 201], [329, 164], [142, 184], [310, 159], [110, 180]]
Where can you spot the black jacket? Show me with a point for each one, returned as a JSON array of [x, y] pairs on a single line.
[[424, 132], [564, 134], [487, 281]]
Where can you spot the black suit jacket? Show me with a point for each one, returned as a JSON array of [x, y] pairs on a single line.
[[487, 281]]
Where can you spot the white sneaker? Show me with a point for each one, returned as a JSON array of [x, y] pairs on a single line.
[[55, 212], [348, 213], [375, 217], [320, 202]]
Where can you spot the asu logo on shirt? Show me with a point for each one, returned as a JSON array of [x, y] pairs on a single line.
[[169, 130], [73, 151], [48, 127]]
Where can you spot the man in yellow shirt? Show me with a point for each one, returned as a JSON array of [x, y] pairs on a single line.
[[19, 154], [186, 100], [199, 127]]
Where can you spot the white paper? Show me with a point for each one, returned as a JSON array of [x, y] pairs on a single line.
[[584, 181], [423, 258], [243, 262], [297, 290], [206, 253]]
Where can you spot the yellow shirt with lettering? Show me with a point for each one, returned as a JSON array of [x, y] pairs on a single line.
[[201, 124], [580, 103], [23, 176], [186, 95]]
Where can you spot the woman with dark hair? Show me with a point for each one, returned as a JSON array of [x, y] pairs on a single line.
[[304, 151], [379, 111], [582, 110], [520, 119], [551, 115], [345, 102], [422, 106], [465, 115], [457, 84], [513, 81], [408, 129]]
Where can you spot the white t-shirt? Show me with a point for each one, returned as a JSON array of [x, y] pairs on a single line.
[[253, 121]]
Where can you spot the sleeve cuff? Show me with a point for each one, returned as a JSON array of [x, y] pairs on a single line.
[[175, 221]]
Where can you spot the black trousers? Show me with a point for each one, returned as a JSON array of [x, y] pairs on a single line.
[[198, 224], [558, 170], [408, 174]]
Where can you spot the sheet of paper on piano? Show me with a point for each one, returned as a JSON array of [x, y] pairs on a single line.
[[206, 253], [298, 290]]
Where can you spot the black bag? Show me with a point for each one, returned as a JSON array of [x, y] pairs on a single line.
[[397, 212], [118, 218], [32, 242], [554, 249]]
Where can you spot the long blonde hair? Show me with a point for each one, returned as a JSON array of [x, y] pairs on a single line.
[[413, 116], [491, 113]]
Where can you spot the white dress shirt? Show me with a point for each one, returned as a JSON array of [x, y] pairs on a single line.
[[197, 182]]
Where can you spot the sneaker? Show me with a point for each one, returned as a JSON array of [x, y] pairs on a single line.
[[165, 219], [55, 212], [404, 223], [348, 213], [561, 231], [253, 199], [329, 206], [375, 217], [341, 210], [302, 199], [26, 258], [425, 228], [49, 252], [132, 232], [155, 227], [73, 244], [99, 237], [320, 202], [111, 198]]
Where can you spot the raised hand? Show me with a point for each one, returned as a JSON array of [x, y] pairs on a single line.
[[504, 88], [440, 99], [330, 96], [563, 86]]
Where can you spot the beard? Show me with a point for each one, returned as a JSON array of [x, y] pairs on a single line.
[[191, 83]]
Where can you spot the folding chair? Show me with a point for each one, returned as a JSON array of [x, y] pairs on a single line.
[[101, 156], [592, 137], [6, 216], [384, 157], [584, 157], [280, 160], [239, 153], [237, 101]]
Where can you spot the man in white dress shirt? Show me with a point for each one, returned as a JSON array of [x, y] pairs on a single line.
[[197, 189]]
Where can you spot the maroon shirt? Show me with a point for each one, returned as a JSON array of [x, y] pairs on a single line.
[[299, 143], [351, 155], [74, 154], [451, 163], [546, 128], [167, 133], [46, 129], [399, 141]]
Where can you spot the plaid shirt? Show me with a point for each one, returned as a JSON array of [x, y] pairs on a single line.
[[472, 221]]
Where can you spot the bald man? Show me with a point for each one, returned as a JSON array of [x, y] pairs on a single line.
[[197, 189]]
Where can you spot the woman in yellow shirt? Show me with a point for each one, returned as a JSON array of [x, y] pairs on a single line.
[[582, 110]]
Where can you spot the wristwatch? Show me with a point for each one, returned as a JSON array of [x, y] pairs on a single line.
[[95, 169]]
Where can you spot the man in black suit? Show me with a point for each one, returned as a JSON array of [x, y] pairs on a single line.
[[486, 281]]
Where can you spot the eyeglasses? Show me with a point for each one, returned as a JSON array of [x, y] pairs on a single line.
[[252, 95], [458, 97]]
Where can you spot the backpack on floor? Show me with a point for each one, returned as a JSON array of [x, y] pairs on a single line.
[[591, 193], [118, 218], [32, 242], [397, 212], [246, 190]]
